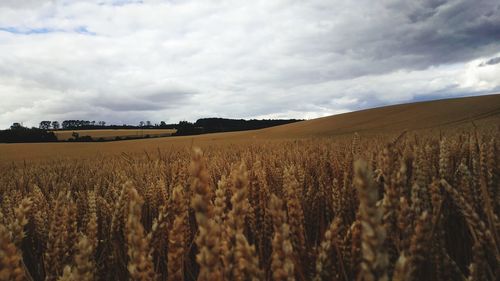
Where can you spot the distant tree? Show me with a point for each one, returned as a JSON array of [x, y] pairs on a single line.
[[187, 128], [18, 133], [102, 123], [141, 124], [148, 123], [92, 123], [163, 124], [70, 124], [45, 125], [16, 126], [55, 125]]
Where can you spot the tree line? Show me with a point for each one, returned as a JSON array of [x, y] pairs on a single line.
[[44, 132], [18, 133], [94, 125], [217, 125], [201, 126]]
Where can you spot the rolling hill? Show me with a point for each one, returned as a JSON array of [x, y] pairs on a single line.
[[412, 116]]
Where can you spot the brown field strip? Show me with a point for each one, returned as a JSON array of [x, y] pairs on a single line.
[[111, 133]]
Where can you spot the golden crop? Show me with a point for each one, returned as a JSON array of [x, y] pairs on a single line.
[[415, 207], [112, 133]]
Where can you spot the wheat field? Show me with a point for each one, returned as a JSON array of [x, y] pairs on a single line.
[[408, 206]]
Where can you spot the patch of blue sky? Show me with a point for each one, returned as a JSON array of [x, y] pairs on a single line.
[[84, 30], [43, 30], [27, 31]]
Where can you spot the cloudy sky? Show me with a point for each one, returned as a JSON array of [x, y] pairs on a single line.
[[124, 61]]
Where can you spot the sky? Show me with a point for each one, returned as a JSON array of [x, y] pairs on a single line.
[[126, 61]]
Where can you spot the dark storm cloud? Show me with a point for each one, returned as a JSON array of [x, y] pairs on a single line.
[[457, 31], [415, 35]]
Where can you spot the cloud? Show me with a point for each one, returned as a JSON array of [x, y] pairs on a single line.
[[482, 76], [126, 61], [492, 61], [25, 4]]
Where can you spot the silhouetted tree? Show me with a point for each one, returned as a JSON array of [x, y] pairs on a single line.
[[55, 125], [45, 125], [16, 126]]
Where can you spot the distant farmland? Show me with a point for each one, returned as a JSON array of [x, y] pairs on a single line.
[[109, 134], [435, 116]]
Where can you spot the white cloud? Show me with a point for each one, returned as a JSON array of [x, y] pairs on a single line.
[[481, 76], [126, 61]]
